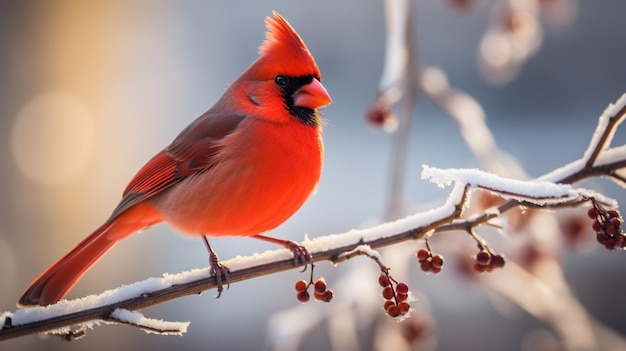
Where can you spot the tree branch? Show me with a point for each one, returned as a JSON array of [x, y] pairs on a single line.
[[334, 248]]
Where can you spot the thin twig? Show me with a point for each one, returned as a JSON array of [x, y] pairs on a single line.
[[606, 136]]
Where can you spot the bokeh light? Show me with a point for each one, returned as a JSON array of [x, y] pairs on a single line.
[[52, 138]]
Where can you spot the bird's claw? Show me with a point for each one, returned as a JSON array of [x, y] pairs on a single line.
[[301, 254], [221, 274]]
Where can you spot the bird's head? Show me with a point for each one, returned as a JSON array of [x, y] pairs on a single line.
[[285, 68]]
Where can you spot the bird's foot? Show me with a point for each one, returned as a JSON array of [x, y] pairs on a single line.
[[301, 254], [221, 274], [217, 270]]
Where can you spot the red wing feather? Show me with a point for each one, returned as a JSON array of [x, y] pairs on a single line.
[[192, 152], [163, 171]]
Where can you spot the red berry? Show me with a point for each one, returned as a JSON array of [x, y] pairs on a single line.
[[592, 212], [426, 266], [380, 116], [609, 243], [328, 295], [303, 296], [435, 270], [422, 255], [497, 261], [437, 261], [402, 288], [611, 230], [483, 258], [383, 280], [600, 238], [479, 267], [612, 214], [596, 226], [393, 310], [404, 307], [320, 286], [301, 285], [388, 303], [401, 297], [619, 241], [317, 295], [388, 293]]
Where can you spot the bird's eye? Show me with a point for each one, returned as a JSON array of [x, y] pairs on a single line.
[[280, 80]]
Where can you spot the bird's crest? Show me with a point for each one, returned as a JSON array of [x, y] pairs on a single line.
[[284, 51]]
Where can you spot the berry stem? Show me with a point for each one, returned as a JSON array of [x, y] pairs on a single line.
[[428, 247], [480, 242]]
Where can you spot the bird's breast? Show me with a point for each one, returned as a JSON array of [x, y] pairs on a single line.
[[262, 175]]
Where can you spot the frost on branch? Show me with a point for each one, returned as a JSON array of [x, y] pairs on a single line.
[[155, 326], [537, 193]]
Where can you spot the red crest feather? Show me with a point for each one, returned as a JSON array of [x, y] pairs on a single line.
[[283, 51]]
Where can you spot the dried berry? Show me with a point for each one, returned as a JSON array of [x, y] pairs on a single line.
[[383, 280], [596, 226], [320, 286], [480, 268], [608, 227], [401, 297], [301, 285], [426, 266], [483, 258], [404, 307], [422, 255], [497, 261], [393, 310], [402, 288], [303, 296], [388, 293], [327, 296], [612, 214], [436, 262]]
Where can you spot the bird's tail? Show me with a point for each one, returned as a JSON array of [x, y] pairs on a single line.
[[58, 279]]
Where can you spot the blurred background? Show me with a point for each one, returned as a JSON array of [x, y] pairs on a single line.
[[89, 91]]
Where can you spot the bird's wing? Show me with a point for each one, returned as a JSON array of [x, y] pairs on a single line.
[[192, 152]]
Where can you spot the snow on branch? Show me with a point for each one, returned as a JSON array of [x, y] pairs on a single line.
[[553, 190], [149, 325]]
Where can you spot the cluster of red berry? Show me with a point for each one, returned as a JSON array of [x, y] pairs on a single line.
[[486, 261], [395, 296], [428, 261], [607, 225], [320, 290]]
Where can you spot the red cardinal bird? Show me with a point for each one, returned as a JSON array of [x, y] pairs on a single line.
[[240, 169]]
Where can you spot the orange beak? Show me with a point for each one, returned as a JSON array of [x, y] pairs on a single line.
[[312, 95]]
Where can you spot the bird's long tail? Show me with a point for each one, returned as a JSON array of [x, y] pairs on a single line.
[[60, 277]]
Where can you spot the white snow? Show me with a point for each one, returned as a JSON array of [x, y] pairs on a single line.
[[63, 307], [149, 325], [603, 121], [540, 192]]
